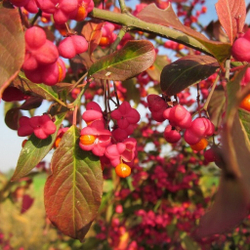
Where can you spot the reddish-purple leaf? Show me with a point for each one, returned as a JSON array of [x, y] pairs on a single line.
[[185, 72], [167, 17], [32, 103], [73, 192], [26, 203], [12, 45], [12, 117], [236, 143], [133, 58], [230, 207], [13, 113], [233, 198], [232, 15]]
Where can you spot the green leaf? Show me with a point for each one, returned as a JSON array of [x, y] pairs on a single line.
[[133, 93], [132, 59], [155, 71], [41, 90], [245, 120], [189, 243], [34, 151], [73, 192], [44, 91], [185, 72], [12, 45], [108, 186], [216, 107], [91, 243], [221, 51], [233, 88]]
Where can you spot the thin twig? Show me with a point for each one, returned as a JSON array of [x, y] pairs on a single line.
[[205, 106], [75, 115], [121, 34], [81, 79], [109, 95], [116, 95], [39, 13], [105, 94], [198, 99], [123, 6]]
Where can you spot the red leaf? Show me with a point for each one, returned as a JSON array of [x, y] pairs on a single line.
[[92, 33], [12, 46], [73, 192], [167, 17], [232, 15], [32, 103]]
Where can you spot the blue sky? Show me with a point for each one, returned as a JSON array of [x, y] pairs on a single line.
[[10, 143]]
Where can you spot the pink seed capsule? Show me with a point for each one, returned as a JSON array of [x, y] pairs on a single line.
[[190, 137], [240, 49], [178, 116], [199, 127], [171, 135], [72, 45], [186, 121], [35, 37], [210, 127], [166, 113]]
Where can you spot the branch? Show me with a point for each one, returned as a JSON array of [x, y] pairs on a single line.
[[133, 23], [123, 6]]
